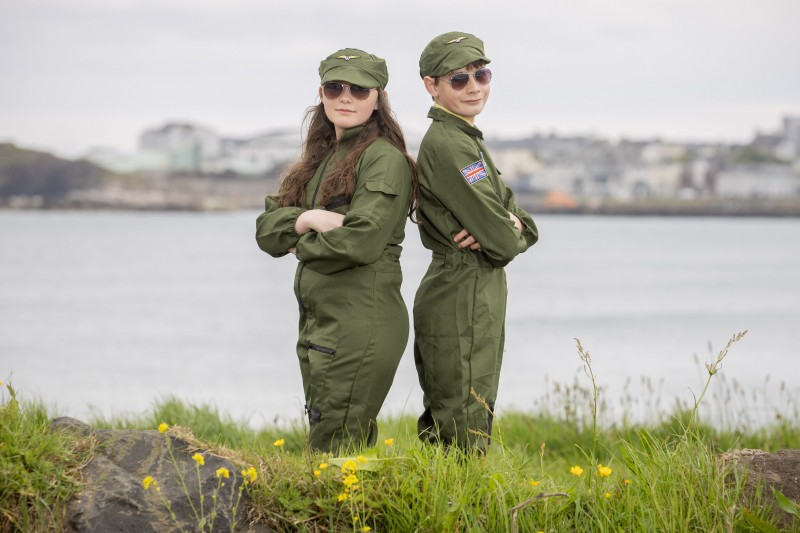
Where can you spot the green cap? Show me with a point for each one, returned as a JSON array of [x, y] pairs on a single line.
[[354, 66], [450, 51]]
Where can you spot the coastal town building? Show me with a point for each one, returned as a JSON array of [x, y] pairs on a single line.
[[571, 169]]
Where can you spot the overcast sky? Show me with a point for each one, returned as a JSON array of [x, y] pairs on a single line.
[[82, 73]]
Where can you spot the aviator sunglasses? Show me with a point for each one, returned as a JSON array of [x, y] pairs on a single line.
[[333, 90], [458, 81]]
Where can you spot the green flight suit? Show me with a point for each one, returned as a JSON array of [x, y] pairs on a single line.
[[353, 320], [460, 306]]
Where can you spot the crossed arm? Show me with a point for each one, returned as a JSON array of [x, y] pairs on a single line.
[[318, 220], [464, 239]]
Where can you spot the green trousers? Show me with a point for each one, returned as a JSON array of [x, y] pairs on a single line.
[[353, 332], [459, 333]]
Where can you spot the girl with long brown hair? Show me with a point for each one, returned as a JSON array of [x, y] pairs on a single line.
[[341, 210]]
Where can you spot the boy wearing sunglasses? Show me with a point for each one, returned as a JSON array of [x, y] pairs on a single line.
[[473, 226]]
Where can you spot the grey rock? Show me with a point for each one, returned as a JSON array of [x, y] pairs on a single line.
[[779, 471], [114, 498]]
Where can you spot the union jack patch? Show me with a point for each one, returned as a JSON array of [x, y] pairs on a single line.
[[474, 172]]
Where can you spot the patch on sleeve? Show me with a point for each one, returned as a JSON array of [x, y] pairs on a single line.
[[474, 172]]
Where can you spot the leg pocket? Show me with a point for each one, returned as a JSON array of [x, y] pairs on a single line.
[[321, 352]]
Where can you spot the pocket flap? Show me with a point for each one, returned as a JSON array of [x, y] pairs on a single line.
[[380, 186]]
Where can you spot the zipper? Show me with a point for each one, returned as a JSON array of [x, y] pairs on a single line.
[[313, 200], [323, 349]]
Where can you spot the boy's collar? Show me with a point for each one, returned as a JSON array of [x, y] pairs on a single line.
[[440, 113], [443, 108]]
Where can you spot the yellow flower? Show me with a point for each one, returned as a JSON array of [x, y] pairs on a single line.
[[366, 528], [199, 459], [603, 471], [362, 459], [162, 427], [317, 472], [533, 483], [342, 497], [249, 475], [626, 481], [389, 442], [608, 495], [576, 470], [349, 467], [223, 472], [279, 442], [149, 480], [351, 481], [356, 519], [323, 466]]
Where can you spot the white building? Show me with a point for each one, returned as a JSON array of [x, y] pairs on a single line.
[[758, 181], [256, 155], [653, 181], [186, 147]]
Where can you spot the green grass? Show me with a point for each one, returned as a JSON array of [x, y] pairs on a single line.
[[39, 470], [664, 473]]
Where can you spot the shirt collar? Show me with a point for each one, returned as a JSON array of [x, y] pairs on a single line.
[[439, 113]]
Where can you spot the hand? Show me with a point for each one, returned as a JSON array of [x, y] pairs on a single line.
[[464, 239], [318, 220], [517, 222]]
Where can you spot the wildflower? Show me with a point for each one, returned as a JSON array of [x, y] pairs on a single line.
[[356, 518], [199, 459], [349, 467], [389, 442], [351, 482], [603, 471], [576, 470], [323, 466], [249, 475], [608, 495], [366, 528], [342, 497], [223, 472], [149, 480], [533, 483], [317, 473], [162, 427], [361, 459], [626, 481], [279, 442]]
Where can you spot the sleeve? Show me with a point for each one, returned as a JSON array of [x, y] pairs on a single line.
[[275, 232], [530, 233], [379, 204], [477, 206]]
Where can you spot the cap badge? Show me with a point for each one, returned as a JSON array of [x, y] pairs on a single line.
[[347, 58], [456, 40]]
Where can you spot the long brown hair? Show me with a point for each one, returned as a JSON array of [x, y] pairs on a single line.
[[321, 139]]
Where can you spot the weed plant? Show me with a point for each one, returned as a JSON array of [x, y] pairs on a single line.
[[561, 467]]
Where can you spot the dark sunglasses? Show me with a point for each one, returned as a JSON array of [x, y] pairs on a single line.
[[333, 90], [458, 81]]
